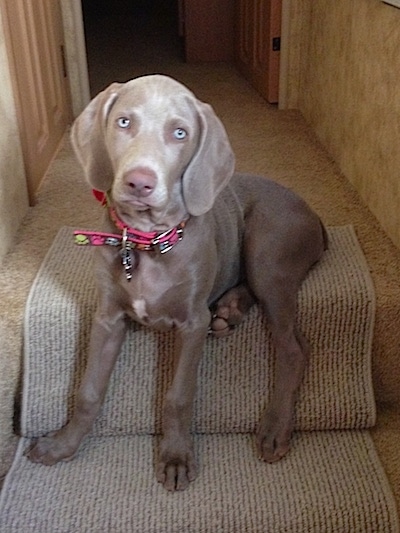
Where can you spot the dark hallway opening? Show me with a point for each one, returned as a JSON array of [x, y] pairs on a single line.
[[128, 38]]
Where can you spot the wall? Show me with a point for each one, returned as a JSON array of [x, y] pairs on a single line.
[[295, 22], [348, 88], [13, 191]]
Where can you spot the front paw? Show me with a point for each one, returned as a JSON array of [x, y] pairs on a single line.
[[52, 448], [176, 465], [273, 436]]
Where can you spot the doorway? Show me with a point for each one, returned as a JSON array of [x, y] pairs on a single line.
[[134, 37], [129, 38], [35, 43]]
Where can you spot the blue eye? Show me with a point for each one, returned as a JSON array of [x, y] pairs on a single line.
[[180, 134], [124, 122]]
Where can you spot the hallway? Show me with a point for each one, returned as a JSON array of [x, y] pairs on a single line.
[[130, 39], [124, 43]]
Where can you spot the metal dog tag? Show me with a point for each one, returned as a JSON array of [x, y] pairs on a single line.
[[126, 258]]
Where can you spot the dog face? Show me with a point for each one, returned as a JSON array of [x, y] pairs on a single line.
[[155, 146], [151, 139]]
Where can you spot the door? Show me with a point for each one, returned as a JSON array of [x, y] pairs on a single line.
[[208, 29], [258, 43], [34, 33]]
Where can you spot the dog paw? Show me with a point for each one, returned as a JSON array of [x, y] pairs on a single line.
[[230, 311], [220, 326], [273, 438], [51, 449], [176, 467]]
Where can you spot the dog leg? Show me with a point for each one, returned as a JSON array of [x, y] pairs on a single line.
[[277, 291], [176, 463], [107, 335], [277, 261], [230, 310], [276, 424]]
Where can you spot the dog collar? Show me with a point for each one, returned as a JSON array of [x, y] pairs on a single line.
[[131, 238]]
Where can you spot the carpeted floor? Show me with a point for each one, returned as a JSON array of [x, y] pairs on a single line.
[[266, 141]]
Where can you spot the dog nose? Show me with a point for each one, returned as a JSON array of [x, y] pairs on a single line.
[[141, 181]]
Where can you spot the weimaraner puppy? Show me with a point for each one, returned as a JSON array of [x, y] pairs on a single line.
[[189, 245]]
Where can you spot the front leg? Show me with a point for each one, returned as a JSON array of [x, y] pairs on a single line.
[[176, 463], [107, 334]]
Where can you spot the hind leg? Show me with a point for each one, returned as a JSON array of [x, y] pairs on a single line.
[[277, 260], [277, 293], [273, 435], [230, 310], [277, 422]]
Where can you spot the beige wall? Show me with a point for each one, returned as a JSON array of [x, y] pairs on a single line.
[[347, 85], [13, 191]]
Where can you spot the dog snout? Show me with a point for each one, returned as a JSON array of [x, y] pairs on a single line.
[[141, 181]]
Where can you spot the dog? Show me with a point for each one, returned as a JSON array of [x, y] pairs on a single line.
[[194, 246]]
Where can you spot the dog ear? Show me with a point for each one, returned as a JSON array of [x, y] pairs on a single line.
[[87, 136], [211, 166]]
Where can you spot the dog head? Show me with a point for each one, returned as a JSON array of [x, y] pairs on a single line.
[[155, 146]]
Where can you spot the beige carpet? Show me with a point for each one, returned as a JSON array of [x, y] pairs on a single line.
[[330, 483], [336, 312], [266, 141], [331, 480]]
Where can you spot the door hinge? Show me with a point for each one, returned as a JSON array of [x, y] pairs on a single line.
[[63, 61], [276, 44]]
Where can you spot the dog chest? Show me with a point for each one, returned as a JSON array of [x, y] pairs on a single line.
[[139, 308], [154, 297]]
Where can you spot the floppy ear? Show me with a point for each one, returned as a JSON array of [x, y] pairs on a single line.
[[87, 135], [212, 165]]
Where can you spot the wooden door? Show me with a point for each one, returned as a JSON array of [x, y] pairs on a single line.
[[34, 33], [208, 29], [258, 24]]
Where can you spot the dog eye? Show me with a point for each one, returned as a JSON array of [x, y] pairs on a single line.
[[124, 122], [180, 134]]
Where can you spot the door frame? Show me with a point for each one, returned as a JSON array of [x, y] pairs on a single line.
[[283, 99], [75, 48], [75, 53]]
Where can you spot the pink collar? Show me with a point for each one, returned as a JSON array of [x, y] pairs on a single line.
[[131, 238], [149, 240], [138, 240]]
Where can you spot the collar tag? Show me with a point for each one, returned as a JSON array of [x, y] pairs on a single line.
[[126, 257]]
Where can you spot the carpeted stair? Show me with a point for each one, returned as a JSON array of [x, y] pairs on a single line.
[[331, 481]]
